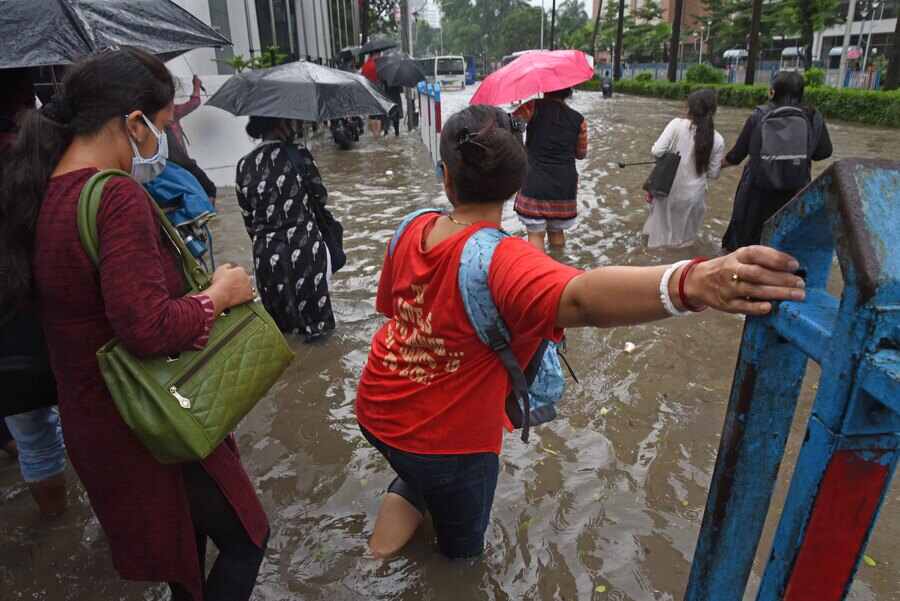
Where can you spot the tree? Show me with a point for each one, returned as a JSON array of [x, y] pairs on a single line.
[[812, 16], [646, 33], [571, 17], [892, 79], [580, 39], [620, 31], [476, 27], [596, 29], [521, 30], [427, 39], [676, 40], [753, 54], [381, 17]]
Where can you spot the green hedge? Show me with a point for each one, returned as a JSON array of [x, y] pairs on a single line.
[[703, 73], [859, 106]]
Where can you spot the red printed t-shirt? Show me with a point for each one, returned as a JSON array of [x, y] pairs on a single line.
[[430, 385]]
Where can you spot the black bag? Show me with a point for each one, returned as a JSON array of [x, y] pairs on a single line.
[[784, 139], [331, 228], [332, 234], [25, 375], [659, 182]]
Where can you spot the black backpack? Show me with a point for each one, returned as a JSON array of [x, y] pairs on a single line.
[[783, 138]]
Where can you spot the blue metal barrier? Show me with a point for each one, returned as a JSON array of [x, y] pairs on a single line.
[[850, 451], [430, 121]]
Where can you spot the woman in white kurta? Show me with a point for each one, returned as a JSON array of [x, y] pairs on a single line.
[[676, 219]]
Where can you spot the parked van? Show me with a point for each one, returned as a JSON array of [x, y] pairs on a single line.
[[449, 71]]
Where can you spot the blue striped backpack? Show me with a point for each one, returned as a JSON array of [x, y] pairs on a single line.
[[537, 389]]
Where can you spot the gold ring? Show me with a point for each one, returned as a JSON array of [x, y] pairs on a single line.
[[735, 278]]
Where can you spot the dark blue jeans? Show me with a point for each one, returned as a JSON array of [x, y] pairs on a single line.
[[457, 490]]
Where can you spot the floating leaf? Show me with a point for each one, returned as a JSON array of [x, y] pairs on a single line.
[[600, 588], [630, 347], [684, 503], [604, 411], [551, 451], [869, 561]]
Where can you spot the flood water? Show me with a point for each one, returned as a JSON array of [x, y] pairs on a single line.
[[609, 495]]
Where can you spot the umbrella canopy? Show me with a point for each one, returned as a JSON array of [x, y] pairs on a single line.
[[399, 70], [300, 90], [58, 32], [532, 74], [377, 46]]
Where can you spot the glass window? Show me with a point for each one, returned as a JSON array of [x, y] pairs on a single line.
[[451, 66], [218, 17]]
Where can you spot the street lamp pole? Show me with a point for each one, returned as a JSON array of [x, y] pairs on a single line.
[[874, 7], [542, 24], [851, 14]]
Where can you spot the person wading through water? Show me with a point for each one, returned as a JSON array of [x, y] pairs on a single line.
[[773, 175], [556, 137], [432, 395]]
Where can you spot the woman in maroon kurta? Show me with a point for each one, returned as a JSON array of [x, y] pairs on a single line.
[[111, 110]]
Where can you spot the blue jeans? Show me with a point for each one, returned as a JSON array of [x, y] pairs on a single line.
[[457, 490], [38, 435]]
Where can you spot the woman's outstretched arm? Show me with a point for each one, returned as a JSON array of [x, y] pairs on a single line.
[[615, 296]]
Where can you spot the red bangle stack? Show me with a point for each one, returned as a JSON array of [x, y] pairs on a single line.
[[684, 274]]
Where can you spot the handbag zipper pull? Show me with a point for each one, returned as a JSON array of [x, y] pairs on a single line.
[[182, 400]]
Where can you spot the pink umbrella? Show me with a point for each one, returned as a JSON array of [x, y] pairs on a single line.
[[534, 73]]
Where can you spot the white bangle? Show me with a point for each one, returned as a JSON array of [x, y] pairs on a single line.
[[664, 297]]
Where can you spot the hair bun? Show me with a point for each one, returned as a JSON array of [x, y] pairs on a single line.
[[59, 109]]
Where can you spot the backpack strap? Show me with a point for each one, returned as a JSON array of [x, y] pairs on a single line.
[[474, 268], [89, 204], [405, 224]]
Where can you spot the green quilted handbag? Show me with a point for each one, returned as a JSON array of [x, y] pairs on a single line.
[[181, 407]]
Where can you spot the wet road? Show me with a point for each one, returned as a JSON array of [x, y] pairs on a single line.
[[610, 495]]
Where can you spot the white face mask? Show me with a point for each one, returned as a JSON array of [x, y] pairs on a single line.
[[145, 170]]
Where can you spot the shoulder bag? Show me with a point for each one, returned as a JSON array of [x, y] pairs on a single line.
[[183, 406], [662, 176]]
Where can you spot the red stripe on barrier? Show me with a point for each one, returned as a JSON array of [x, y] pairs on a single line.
[[841, 517], [437, 117]]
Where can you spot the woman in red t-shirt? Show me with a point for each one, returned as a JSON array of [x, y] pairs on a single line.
[[432, 395]]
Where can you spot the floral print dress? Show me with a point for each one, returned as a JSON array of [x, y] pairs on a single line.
[[290, 257]]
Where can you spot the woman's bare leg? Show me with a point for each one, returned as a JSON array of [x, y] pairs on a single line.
[[536, 239], [557, 238], [397, 521]]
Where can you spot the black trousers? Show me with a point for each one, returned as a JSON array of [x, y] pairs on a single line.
[[233, 576]]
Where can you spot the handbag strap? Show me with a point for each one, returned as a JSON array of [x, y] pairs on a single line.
[[673, 143], [89, 204]]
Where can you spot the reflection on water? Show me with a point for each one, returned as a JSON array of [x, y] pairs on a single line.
[[610, 494]]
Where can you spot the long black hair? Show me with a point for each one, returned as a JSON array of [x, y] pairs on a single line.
[[95, 90], [481, 147], [701, 110]]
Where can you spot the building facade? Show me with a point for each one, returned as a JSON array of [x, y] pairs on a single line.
[[302, 29]]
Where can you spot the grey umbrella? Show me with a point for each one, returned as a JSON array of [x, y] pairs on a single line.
[[300, 90], [399, 70], [378, 45], [36, 33]]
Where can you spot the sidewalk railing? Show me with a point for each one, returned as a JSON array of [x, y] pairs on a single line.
[[429, 102], [850, 450]]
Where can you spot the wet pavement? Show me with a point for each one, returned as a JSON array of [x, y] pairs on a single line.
[[610, 495]]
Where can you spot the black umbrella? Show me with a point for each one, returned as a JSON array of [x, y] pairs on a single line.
[[300, 90], [378, 45], [399, 70], [35, 33]]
